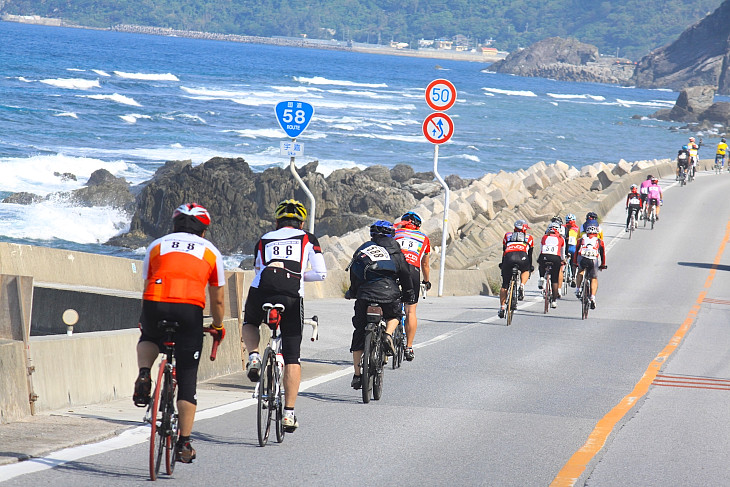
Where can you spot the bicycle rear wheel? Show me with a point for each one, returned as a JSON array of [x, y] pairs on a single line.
[[547, 291], [157, 432], [399, 342], [377, 364], [265, 403], [278, 405], [653, 218], [585, 297], [511, 301], [367, 378], [172, 420]]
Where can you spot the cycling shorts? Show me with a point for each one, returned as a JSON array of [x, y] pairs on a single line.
[[415, 276], [653, 201], [359, 320], [292, 320], [555, 261], [511, 259], [591, 269], [188, 339]]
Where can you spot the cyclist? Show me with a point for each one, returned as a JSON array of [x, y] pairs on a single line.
[[633, 205], [721, 152], [552, 249], [376, 269], [590, 248], [415, 247], [591, 220], [517, 248], [682, 160], [572, 234], [643, 191], [281, 259], [693, 155], [654, 196], [176, 269]]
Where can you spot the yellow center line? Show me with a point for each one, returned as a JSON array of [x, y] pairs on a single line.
[[578, 463]]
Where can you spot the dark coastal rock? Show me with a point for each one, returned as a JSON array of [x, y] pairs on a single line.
[[401, 173], [65, 176], [700, 56], [718, 112], [104, 189], [690, 104], [242, 202], [23, 198], [566, 60]]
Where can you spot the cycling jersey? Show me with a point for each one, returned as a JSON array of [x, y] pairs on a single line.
[[590, 247], [693, 150], [682, 158], [572, 234], [633, 199], [721, 149], [414, 244], [552, 244], [517, 242], [281, 259], [590, 223], [644, 186], [655, 192], [178, 266]]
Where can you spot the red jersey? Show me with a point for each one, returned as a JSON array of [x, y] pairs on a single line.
[[553, 244], [517, 242], [590, 247], [178, 266], [414, 244]]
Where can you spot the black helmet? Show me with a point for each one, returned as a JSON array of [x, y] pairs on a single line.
[[383, 228], [413, 218]]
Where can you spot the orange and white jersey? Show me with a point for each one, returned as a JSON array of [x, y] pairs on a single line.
[[178, 266], [414, 244]]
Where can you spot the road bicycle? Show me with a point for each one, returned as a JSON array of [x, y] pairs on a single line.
[[162, 412], [632, 222], [585, 297], [682, 176], [691, 173], [567, 274], [719, 162], [373, 355], [269, 391], [548, 286], [399, 340], [514, 286], [652, 216]]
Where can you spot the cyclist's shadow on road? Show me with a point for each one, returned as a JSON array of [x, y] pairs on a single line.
[[335, 398], [705, 265]]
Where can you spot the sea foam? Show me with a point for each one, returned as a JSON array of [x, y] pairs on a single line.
[[72, 83], [116, 97], [320, 80], [147, 76]]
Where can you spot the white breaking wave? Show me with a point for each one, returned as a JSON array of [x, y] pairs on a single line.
[[147, 76], [256, 133], [66, 114], [72, 83], [653, 103], [124, 100], [369, 94], [319, 80], [510, 92], [51, 220], [400, 138], [568, 96], [133, 117], [100, 72], [468, 157], [75, 69]]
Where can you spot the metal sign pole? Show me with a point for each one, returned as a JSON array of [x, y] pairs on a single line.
[[445, 229], [312, 203]]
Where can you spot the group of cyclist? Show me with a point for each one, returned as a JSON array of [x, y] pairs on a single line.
[[179, 266], [563, 244], [687, 157]]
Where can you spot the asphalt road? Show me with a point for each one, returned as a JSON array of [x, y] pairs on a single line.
[[634, 395]]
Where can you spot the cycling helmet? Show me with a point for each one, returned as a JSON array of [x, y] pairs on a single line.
[[591, 215], [413, 218], [291, 209], [723, 140], [521, 226], [685, 147], [553, 227], [654, 180], [556, 219], [649, 176], [190, 218], [592, 229], [383, 228], [691, 139], [634, 188], [569, 217]]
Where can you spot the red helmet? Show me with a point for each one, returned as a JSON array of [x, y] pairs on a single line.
[[191, 215]]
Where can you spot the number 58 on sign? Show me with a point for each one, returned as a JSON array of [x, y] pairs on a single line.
[[293, 116]]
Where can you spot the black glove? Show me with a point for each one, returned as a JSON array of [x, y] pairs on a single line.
[[409, 297], [500, 265], [532, 268], [348, 294], [427, 284], [603, 267]]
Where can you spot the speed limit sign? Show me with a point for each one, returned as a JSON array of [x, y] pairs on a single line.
[[440, 95]]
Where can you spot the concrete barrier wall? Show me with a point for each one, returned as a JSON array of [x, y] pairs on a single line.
[[14, 403]]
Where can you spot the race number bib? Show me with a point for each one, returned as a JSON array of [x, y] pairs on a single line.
[[186, 246], [634, 201], [376, 252], [589, 252], [550, 249], [283, 250], [410, 244], [572, 240]]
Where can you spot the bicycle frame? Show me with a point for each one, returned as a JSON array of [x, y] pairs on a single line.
[[512, 294], [548, 286], [372, 363]]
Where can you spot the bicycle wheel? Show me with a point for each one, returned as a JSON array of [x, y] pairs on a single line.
[[547, 291], [645, 216], [367, 379], [399, 342], [377, 364], [172, 422], [566, 279], [265, 403], [653, 218], [585, 297], [278, 405], [511, 301], [157, 431], [632, 224]]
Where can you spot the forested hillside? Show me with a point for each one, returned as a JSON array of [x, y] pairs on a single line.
[[634, 27]]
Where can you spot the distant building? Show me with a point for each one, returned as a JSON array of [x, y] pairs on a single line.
[[398, 45], [425, 42], [443, 43]]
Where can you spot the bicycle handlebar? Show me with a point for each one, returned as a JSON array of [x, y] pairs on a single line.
[[314, 323], [216, 334]]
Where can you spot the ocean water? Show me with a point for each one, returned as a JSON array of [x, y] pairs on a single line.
[[74, 100]]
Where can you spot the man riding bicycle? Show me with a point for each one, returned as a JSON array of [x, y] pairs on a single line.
[[654, 197], [176, 270], [721, 152], [376, 269], [517, 248], [633, 205], [590, 248], [693, 155], [572, 234], [644, 190], [552, 250], [415, 247], [281, 259], [682, 160]]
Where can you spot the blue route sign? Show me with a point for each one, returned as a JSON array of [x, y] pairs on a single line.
[[293, 116]]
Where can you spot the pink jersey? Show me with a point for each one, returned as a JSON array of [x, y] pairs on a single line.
[[644, 188], [655, 192]]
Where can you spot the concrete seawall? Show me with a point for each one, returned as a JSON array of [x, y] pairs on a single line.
[[42, 373]]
